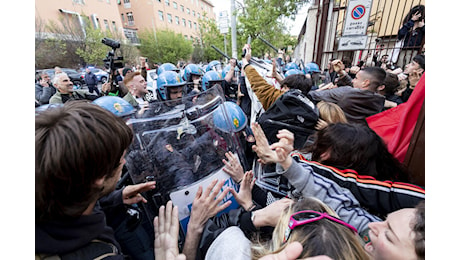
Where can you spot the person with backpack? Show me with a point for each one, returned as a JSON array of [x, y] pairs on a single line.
[[77, 184], [288, 107]]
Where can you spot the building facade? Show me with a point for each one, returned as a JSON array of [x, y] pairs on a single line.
[[180, 16], [126, 17]]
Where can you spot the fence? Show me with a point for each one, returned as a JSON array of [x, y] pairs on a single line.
[[386, 18]]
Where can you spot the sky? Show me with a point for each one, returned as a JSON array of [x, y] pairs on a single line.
[[296, 25]]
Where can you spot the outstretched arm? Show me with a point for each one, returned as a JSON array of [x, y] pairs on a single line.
[[166, 226], [204, 206]]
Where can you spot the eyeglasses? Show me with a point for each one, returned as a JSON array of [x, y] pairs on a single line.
[[309, 216]]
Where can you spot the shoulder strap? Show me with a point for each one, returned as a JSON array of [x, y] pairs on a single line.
[[96, 249]]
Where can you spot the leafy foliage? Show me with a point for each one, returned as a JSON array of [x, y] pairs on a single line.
[[164, 46]]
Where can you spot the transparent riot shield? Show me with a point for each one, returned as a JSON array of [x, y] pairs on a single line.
[[179, 145]]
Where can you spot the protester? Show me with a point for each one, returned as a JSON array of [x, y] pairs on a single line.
[[44, 89], [360, 100], [65, 91], [69, 216], [91, 81], [408, 223]]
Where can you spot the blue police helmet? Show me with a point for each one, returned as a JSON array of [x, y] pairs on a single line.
[[290, 66], [116, 105], [45, 107], [311, 67], [214, 65], [166, 67], [226, 69], [191, 69], [168, 79], [209, 78], [235, 115], [292, 72]]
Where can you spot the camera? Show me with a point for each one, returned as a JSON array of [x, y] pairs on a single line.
[[111, 43]]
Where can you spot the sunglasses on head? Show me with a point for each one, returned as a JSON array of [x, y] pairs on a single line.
[[308, 216]]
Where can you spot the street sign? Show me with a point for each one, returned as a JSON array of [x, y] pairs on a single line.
[[357, 17], [223, 22], [349, 43]]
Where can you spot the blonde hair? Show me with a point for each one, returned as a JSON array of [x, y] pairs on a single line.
[[331, 113], [322, 237]]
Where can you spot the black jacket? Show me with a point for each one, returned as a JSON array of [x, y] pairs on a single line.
[[90, 79], [65, 236], [413, 39]]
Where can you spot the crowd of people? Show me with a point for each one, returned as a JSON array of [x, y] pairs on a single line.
[[339, 192]]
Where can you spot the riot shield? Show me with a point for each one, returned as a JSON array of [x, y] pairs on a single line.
[[181, 148]]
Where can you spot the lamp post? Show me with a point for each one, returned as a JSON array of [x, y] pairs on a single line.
[[233, 25]]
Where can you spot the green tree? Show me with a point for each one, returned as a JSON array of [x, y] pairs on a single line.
[[265, 18], [92, 51], [210, 35], [164, 46]]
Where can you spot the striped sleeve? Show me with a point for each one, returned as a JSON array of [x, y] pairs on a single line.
[[379, 197]]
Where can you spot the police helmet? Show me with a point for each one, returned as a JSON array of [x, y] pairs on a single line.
[[167, 67], [168, 79], [209, 79], [116, 105], [291, 65], [191, 69], [234, 119], [227, 69], [292, 72], [214, 65], [311, 67]]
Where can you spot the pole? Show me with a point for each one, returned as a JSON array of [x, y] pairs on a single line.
[[233, 22], [225, 46]]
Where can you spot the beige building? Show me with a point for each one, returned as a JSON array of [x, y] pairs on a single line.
[[103, 14], [180, 16], [126, 17]]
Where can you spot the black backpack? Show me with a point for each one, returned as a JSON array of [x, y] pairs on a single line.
[[292, 111]]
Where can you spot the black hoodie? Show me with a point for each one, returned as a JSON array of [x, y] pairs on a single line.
[[64, 236]]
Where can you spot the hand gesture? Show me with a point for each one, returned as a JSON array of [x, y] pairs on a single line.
[[233, 167], [232, 62], [247, 47], [132, 193], [166, 226], [206, 204], [414, 77], [44, 83], [416, 16], [270, 215], [356, 69], [244, 196], [338, 65], [320, 124], [273, 72], [106, 87], [262, 147]]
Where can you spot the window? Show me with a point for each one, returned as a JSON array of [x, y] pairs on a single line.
[[198, 14], [194, 25], [177, 19], [106, 23], [167, 2], [185, 36], [193, 13], [183, 22], [189, 23], [114, 26], [123, 18], [188, 11], [169, 18], [182, 8], [82, 2], [127, 3], [108, 1], [130, 18], [175, 5], [160, 15]]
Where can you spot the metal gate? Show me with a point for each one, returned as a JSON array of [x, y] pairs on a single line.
[[386, 18]]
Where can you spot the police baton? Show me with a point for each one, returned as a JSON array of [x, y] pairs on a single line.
[[225, 55]]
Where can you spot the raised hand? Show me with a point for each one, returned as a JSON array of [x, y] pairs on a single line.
[[166, 226], [244, 196], [233, 167]]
